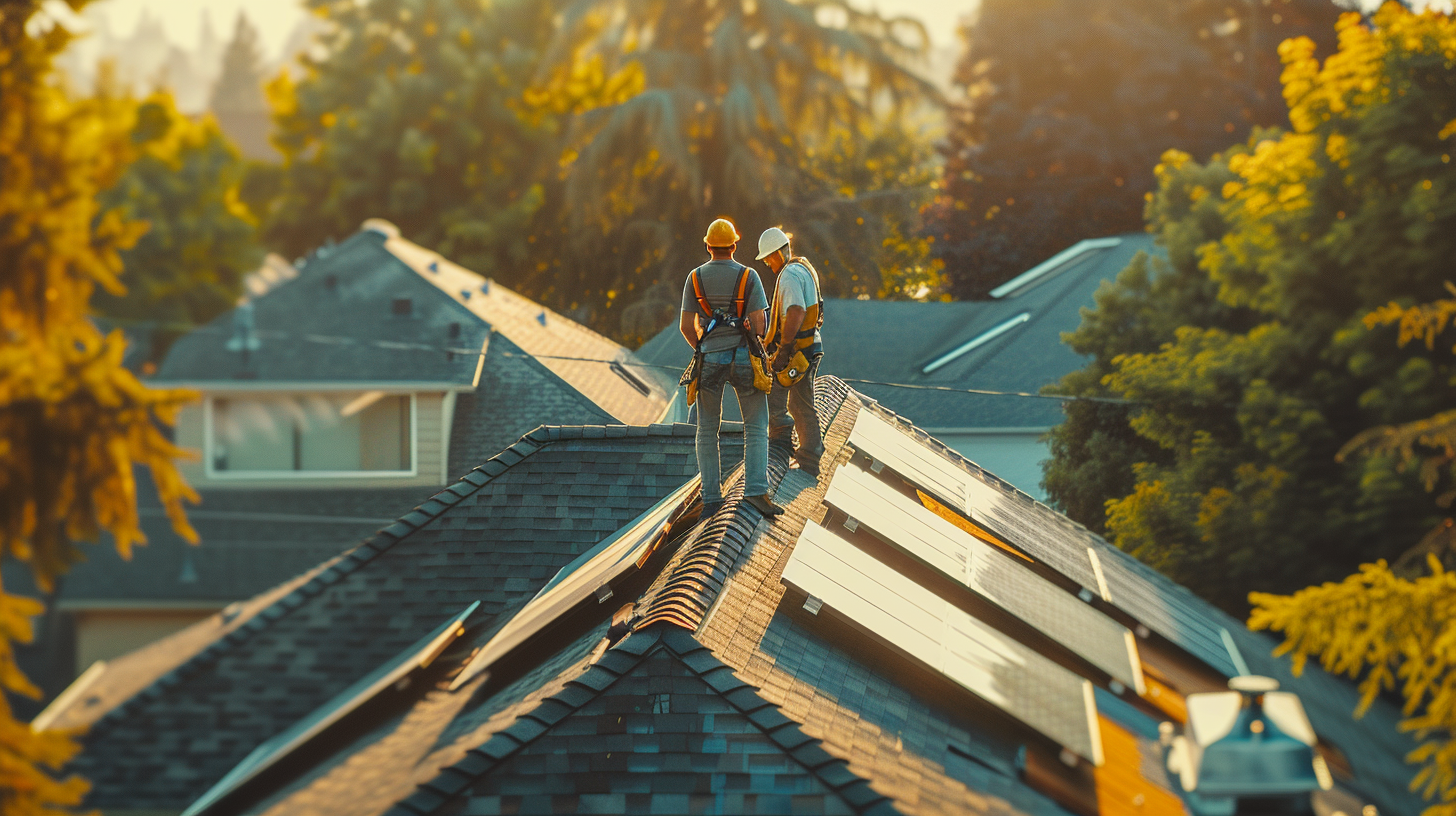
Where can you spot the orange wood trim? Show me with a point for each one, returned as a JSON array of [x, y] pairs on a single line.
[[969, 526]]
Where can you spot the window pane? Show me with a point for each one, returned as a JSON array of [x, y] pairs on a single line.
[[251, 435], [337, 432], [385, 434]]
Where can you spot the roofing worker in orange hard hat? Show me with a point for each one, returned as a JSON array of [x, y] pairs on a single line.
[[793, 333], [723, 307]]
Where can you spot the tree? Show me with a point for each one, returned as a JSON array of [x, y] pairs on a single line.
[[239, 85], [237, 97], [188, 267], [415, 114], [1383, 628], [1245, 351], [741, 103], [1069, 104], [73, 421]]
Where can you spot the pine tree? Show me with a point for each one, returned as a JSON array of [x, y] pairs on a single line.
[[237, 99], [73, 422]]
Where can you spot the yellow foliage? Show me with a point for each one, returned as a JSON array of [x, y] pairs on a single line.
[[73, 422], [1388, 632]]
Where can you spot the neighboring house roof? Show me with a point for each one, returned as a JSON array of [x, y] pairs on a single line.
[[674, 664], [378, 309], [883, 341], [330, 322]]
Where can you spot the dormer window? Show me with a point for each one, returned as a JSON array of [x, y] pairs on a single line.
[[369, 433]]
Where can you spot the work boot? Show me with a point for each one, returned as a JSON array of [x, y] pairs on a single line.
[[765, 505]]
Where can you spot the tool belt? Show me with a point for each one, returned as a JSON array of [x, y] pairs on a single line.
[[692, 375]]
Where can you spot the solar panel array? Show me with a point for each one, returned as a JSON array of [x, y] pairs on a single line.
[[1044, 539], [996, 668], [1149, 598], [907, 525]]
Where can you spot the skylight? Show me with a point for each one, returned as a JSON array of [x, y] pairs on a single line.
[[975, 342], [1052, 265], [584, 577], [279, 747]]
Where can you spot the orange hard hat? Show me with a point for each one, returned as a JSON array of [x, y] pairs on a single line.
[[721, 233]]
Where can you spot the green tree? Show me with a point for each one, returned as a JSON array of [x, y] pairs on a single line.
[[741, 102], [73, 422], [200, 242], [415, 113], [1246, 349], [1070, 103]]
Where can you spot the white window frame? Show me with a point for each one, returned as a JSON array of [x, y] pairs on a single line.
[[305, 475]]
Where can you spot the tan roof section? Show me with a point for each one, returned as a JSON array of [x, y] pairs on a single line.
[[547, 336]]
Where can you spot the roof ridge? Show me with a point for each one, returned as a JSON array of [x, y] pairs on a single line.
[[346, 563], [700, 569], [619, 660]]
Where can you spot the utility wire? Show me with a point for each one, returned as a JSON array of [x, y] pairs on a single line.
[[394, 345]]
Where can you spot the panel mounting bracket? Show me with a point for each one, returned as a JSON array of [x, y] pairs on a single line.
[[850, 523], [812, 605], [604, 593]]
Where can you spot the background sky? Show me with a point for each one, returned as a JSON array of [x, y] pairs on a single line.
[[275, 18]]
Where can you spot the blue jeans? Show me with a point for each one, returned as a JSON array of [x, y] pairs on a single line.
[[721, 368]]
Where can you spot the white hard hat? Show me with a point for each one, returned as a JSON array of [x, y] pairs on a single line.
[[772, 240]]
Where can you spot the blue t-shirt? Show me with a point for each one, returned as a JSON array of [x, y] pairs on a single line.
[[796, 287], [718, 279]]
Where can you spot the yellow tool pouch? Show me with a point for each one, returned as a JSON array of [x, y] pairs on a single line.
[[690, 377], [761, 379], [797, 368]]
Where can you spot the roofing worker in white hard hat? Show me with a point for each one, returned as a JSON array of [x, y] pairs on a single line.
[[793, 339], [723, 306]]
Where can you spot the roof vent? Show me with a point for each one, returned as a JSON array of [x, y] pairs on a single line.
[[454, 331], [379, 226], [245, 333], [1251, 743], [402, 307], [331, 282]]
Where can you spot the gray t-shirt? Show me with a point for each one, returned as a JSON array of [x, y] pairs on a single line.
[[796, 287], [718, 279]]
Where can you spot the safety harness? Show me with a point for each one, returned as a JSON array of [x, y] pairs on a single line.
[[717, 317], [813, 316]]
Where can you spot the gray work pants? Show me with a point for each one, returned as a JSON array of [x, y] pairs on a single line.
[[793, 408], [721, 369]]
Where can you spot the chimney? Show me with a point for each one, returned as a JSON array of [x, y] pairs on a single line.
[[245, 334], [1249, 750]]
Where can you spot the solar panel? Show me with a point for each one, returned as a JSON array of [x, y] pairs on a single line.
[[1003, 672], [908, 526], [1168, 609], [579, 580], [281, 746], [1036, 530]]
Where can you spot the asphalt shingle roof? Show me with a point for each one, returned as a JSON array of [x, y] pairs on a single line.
[[502, 538], [711, 690]]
